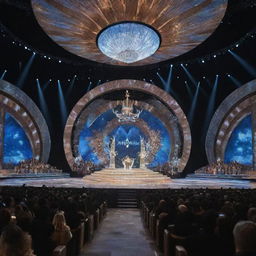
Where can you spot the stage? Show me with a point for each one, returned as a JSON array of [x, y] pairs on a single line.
[[132, 179]]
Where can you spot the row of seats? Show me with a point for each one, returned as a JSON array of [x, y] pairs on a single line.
[[165, 240], [83, 234]]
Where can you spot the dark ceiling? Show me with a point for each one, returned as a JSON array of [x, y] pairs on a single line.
[[21, 35]]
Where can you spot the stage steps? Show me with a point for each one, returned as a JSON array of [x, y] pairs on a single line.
[[121, 178], [127, 198]]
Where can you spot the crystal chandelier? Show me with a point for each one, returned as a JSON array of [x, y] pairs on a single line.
[[128, 113], [128, 42]]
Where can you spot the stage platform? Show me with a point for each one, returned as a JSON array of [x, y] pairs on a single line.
[[126, 179], [9, 174]]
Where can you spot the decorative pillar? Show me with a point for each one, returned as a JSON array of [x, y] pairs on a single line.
[[142, 154], [2, 114], [113, 154]]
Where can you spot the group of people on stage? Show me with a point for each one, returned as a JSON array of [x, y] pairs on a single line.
[[33, 166], [233, 168], [167, 169], [85, 168]]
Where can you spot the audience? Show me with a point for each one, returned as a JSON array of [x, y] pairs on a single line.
[[39, 213], [204, 219], [15, 242]]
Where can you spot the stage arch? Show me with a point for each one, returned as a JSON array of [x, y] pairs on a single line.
[[232, 132], [92, 123], [23, 131]]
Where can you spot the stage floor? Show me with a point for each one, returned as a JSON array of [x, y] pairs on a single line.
[[173, 184]]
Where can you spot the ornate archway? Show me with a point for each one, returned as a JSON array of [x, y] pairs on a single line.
[[19, 111], [233, 123], [148, 93]]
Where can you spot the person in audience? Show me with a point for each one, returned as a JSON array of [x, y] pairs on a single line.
[[5, 218], [15, 242], [245, 238], [41, 231], [251, 214], [183, 222], [62, 233]]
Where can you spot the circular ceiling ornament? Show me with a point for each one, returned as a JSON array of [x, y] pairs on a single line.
[[128, 42], [77, 24]]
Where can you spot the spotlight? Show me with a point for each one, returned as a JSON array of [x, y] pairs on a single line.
[[44, 56], [214, 56], [202, 61], [49, 58], [228, 75], [203, 77], [26, 47], [34, 53], [237, 45], [59, 61]]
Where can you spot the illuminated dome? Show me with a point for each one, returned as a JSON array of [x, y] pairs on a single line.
[[128, 42]]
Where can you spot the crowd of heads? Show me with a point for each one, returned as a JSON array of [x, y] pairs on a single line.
[[232, 168], [210, 222], [33, 166], [36, 220]]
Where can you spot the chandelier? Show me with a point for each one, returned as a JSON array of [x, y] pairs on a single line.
[[128, 112], [128, 42]]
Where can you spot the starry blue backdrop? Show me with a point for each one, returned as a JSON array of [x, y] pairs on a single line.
[[124, 134], [239, 147], [16, 143]]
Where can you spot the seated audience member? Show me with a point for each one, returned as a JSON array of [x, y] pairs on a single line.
[[205, 242], [161, 208], [245, 238], [41, 231], [15, 242], [183, 222], [62, 233], [5, 218], [251, 214]]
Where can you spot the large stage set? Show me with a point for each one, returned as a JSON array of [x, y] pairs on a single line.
[[116, 137], [128, 133]]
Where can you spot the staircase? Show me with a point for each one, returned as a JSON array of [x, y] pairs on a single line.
[[126, 179], [127, 198]]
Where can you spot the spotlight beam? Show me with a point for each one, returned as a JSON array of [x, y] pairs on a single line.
[[22, 78], [42, 103], [193, 105], [71, 86], [63, 107], [189, 90], [2, 76], [167, 83], [248, 67], [235, 81], [192, 79], [211, 104]]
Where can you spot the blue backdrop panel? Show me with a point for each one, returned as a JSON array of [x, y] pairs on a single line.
[[127, 139], [239, 147], [16, 143]]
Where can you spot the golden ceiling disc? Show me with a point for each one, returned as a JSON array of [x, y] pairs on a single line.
[[181, 25]]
